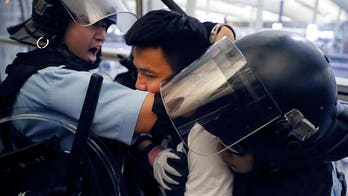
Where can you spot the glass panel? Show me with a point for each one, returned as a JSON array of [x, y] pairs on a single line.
[[11, 13]]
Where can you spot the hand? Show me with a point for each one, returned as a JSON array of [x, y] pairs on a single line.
[[170, 169]]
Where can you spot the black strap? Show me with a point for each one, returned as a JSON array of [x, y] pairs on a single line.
[[21, 71], [79, 145], [27, 64], [173, 6]]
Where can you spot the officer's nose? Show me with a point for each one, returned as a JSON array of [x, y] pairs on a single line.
[[100, 34]]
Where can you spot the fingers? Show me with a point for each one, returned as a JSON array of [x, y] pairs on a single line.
[[170, 169]]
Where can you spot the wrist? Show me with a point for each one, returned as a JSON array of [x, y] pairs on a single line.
[[140, 141], [153, 153], [213, 33]]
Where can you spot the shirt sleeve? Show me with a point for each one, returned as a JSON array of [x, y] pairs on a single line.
[[64, 91]]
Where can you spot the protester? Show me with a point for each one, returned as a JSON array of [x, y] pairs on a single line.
[[175, 41]]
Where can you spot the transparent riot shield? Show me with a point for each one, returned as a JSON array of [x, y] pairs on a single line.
[[218, 99], [34, 154]]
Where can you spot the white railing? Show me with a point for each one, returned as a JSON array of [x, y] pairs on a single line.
[[108, 52]]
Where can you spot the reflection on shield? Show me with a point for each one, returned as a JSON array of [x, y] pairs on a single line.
[[221, 93]]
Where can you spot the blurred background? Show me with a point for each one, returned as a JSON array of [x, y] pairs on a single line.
[[325, 22]]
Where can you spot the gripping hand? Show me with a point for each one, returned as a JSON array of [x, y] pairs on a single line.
[[170, 168]]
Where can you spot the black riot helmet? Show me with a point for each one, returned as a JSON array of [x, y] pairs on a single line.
[[236, 90], [50, 18]]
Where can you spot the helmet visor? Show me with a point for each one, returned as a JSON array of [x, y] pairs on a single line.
[[217, 99], [88, 12], [125, 20]]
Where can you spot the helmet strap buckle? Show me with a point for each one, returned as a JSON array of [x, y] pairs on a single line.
[[42, 43], [41, 6], [302, 128]]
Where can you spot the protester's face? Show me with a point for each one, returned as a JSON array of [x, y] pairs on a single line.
[[85, 41], [152, 68], [240, 164]]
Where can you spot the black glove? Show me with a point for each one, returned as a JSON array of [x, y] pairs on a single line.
[[163, 126], [169, 166]]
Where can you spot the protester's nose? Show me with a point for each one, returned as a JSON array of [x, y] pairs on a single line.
[[140, 83]]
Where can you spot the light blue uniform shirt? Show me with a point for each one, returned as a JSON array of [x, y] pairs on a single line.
[[64, 91]]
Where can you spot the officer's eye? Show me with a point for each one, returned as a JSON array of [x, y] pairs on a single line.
[[103, 24]]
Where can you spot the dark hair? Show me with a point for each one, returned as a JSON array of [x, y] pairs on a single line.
[[182, 38]]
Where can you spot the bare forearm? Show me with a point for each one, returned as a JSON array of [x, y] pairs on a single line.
[[146, 118]]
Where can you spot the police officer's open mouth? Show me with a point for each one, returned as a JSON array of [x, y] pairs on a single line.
[[94, 50]]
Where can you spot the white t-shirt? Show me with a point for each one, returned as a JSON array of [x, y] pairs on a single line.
[[208, 175]]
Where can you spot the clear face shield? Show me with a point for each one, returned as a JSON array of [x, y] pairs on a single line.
[[88, 12], [217, 100]]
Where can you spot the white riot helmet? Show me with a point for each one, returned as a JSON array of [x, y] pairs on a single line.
[[50, 18]]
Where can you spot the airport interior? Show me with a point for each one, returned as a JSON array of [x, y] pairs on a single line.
[[324, 22]]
